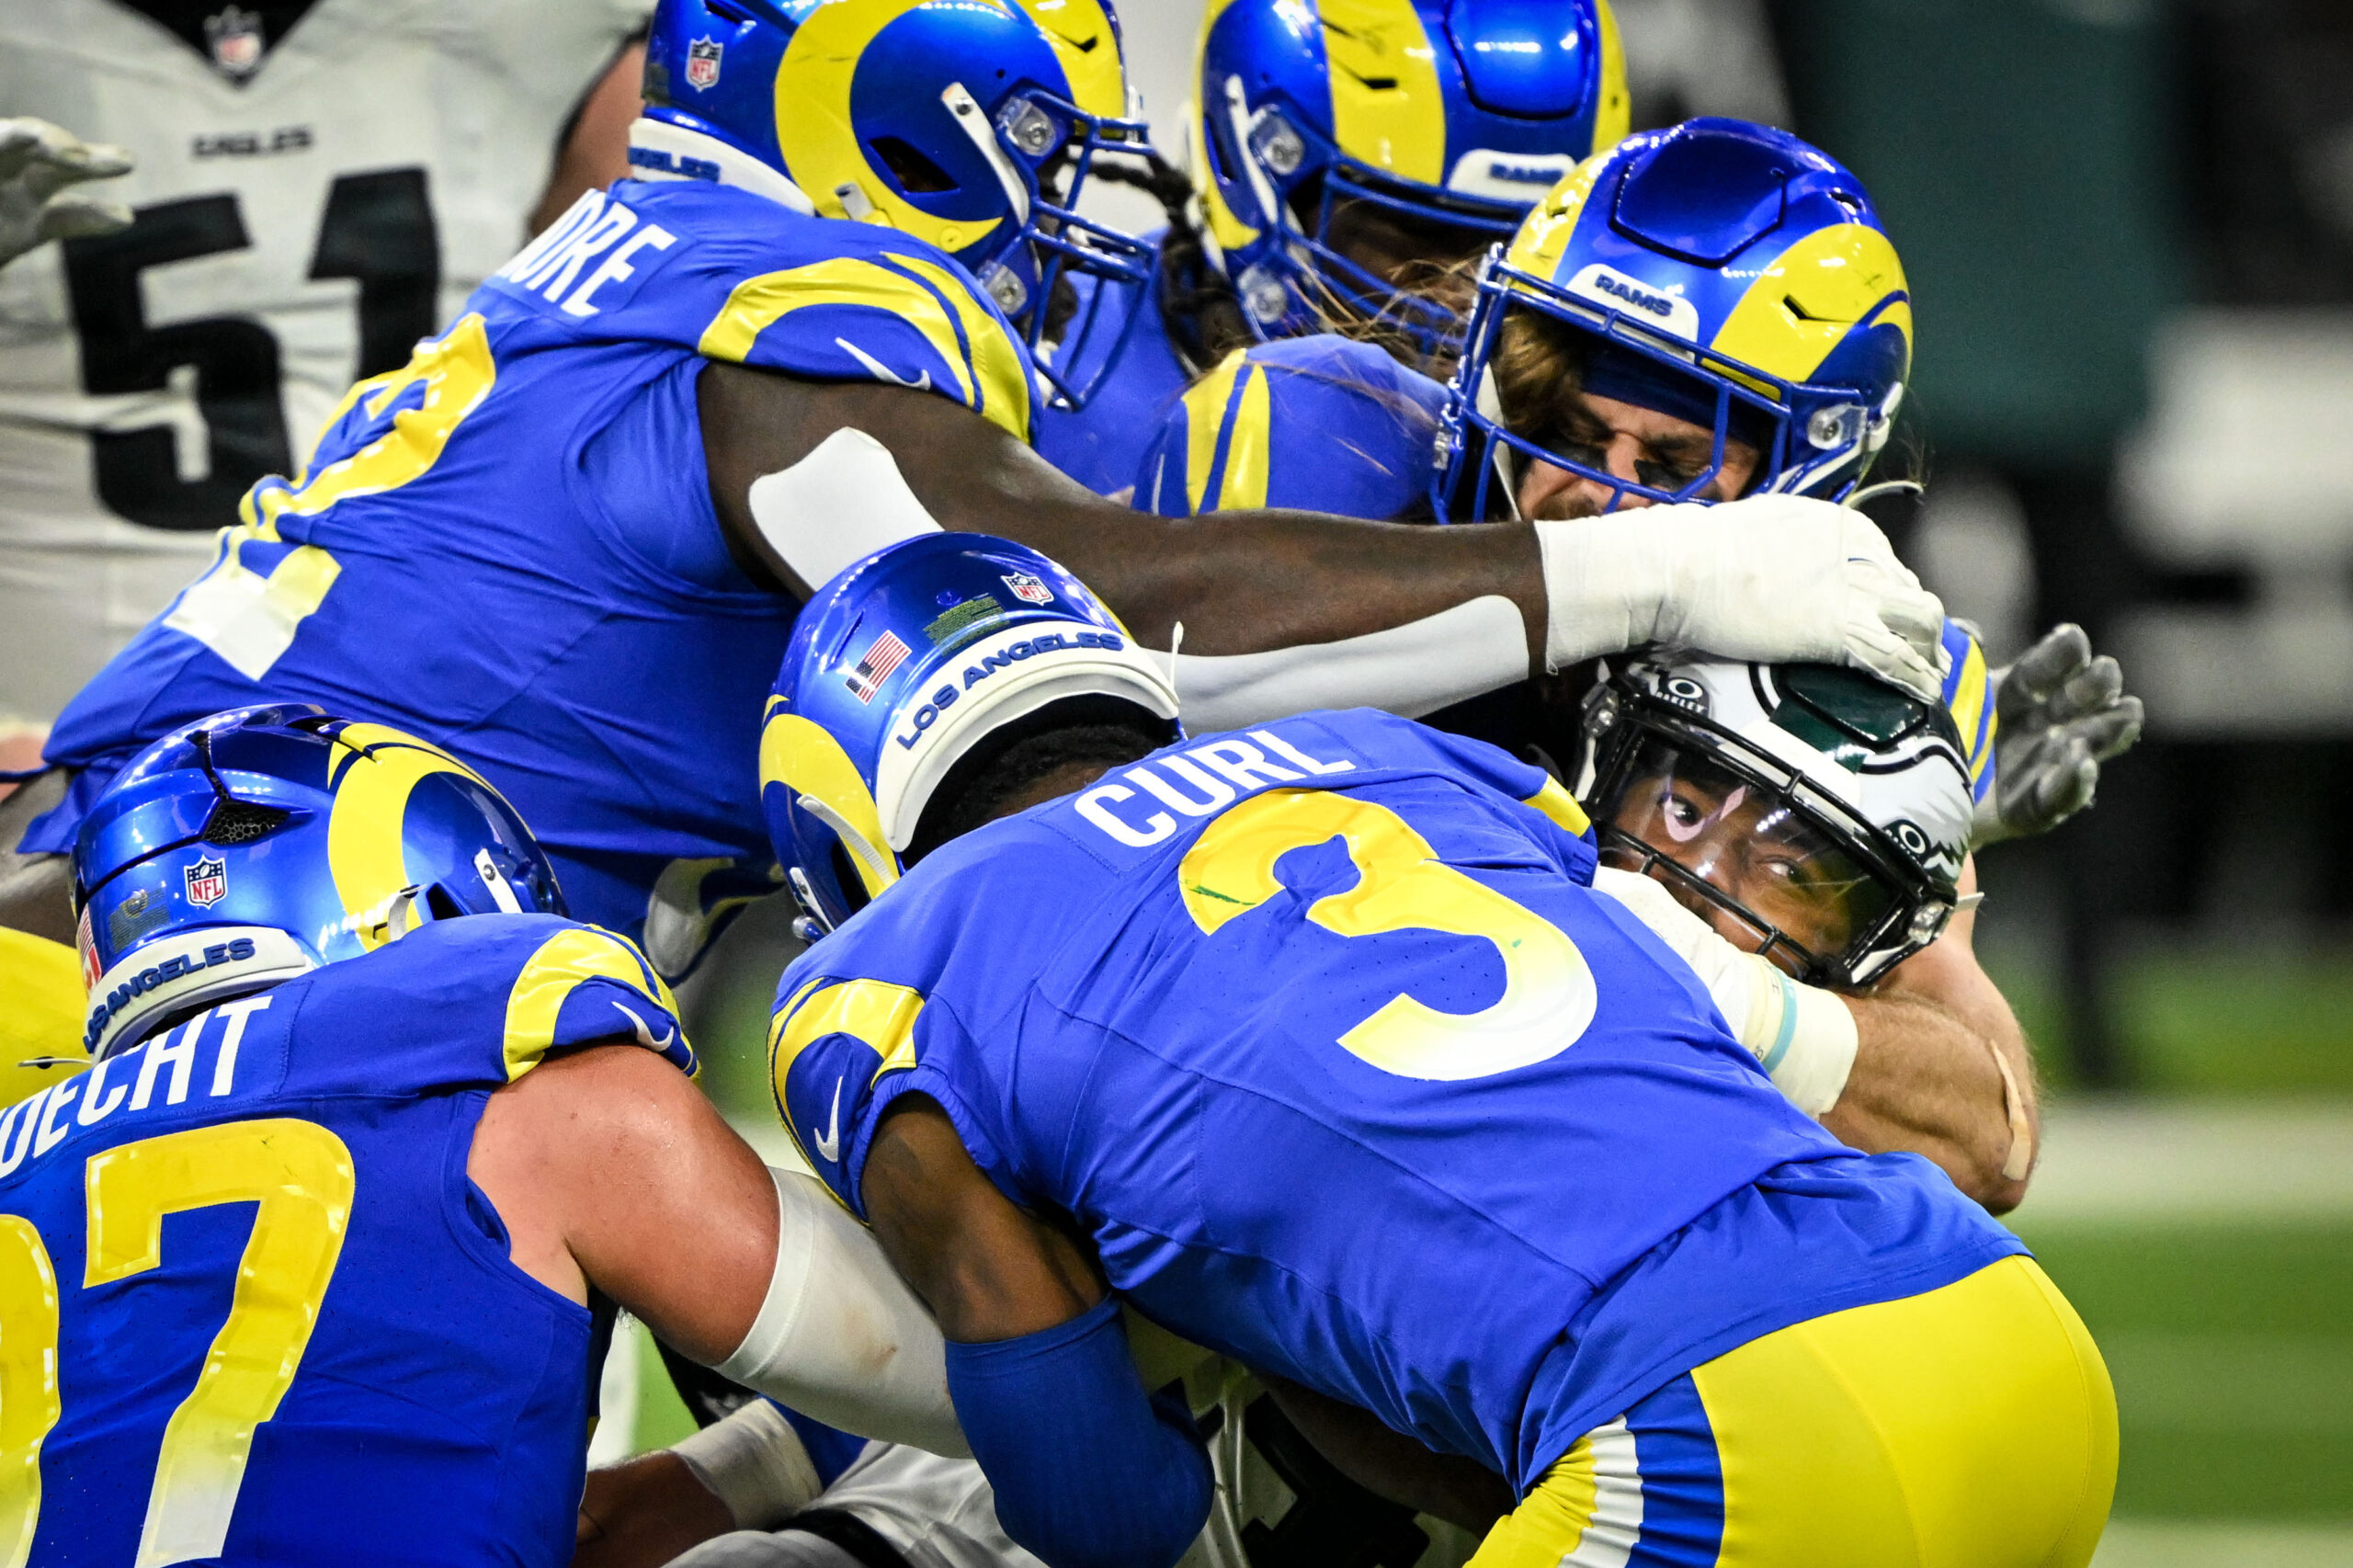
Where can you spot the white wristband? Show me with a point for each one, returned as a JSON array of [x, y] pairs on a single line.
[[754, 1463], [1804, 1038]]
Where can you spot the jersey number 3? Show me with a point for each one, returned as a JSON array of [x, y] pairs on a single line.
[[299, 1178], [1549, 996]]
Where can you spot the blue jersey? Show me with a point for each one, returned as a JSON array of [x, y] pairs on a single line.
[[1324, 423], [251, 1307], [1100, 444], [508, 546], [1320, 1033]]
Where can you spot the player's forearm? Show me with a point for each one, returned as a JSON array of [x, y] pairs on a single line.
[[1929, 1078], [643, 1512], [1242, 582]]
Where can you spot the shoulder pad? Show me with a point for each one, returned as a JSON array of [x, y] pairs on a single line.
[[734, 277]]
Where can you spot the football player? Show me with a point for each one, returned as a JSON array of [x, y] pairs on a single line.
[[1276, 1010], [315, 187], [1351, 161], [315, 1263], [1698, 313], [574, 529]]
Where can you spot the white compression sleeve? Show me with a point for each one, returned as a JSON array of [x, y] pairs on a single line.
[[839, 504], [1413, 669], [840, 1338]]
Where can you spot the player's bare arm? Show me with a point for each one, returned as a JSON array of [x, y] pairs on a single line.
[[1241, 582], [989, 1269], [608, 1166], [644, 1512], [35, 891], [1943, 1070]]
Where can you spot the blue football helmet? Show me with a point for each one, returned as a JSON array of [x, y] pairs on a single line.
[[1455, 116], [1725, 273], [972, 125], [903, 664], [258, 844]]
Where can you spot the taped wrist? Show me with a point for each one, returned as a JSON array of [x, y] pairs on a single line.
[[1088, 1471], [1804, 1038], [1609, 581], [839, 1336], [755, 1464]]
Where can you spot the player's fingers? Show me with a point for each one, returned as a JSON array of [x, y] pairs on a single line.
[[2042, 669], [1898, 602], [1871, 646], [52, 168], [76, 216], [2060, 789], [2094, 686], [19, 144], [2112, 734]]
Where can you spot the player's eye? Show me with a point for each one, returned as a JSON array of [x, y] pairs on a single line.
[[1668, 475]]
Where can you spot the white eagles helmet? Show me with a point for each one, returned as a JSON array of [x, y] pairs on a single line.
[[1818, 810]]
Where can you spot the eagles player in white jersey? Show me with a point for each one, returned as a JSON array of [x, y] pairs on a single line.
[[317, 185]]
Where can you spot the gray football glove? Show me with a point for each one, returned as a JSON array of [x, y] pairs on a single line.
[[2062, 713], [38, 162]]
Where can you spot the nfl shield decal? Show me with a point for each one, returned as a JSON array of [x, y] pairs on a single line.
[[208, 881], [1028, 589], [702, 63], [236, 39]]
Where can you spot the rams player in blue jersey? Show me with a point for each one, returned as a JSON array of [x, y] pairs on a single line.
[[315, 1264], [1704, 312], [1351, 161], [1316, 1045], [569, 535]]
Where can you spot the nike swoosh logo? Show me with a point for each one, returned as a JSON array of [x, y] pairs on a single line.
[[879, 370], [645, 1036], [829, 1141]]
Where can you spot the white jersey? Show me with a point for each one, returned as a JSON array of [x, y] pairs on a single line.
[[298, 228]]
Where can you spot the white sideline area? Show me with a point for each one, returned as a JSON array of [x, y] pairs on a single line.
[[2107, 1162], [2208, 1543]]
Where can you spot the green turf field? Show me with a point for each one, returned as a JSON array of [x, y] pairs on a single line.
[[2232, 1347]]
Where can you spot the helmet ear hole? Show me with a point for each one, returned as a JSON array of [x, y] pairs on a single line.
[[915, 173], [442, 905]]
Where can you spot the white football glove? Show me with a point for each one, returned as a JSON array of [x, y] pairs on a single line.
[[1769, 578], [2061, 714], [38, 161], [1804, 1037]]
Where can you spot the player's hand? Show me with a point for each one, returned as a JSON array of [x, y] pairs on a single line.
[[38, 162], [2062, 713], [1769, 578]]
